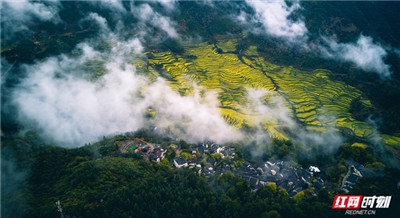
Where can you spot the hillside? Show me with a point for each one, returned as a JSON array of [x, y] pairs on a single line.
[[313, 99], [172, 108]]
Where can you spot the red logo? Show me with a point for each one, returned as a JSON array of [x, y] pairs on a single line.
[[347, 202]]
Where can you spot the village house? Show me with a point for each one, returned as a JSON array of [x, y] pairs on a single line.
[[180, 162]]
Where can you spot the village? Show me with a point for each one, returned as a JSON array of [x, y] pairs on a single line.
[[210, 159]]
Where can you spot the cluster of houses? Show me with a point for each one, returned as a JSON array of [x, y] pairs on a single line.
[[284, 174], [205, 164], [211, 158], [149, 151]]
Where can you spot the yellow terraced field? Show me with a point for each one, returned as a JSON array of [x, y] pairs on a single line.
[[391, 140], [359, 145], [274, 133], [227, 45], [314, 99]]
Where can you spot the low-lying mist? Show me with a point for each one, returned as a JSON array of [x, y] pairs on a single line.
[[71, 106], [72, 103], [273, 109], [71, 109]]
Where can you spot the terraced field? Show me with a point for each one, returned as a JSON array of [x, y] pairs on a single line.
[[314, 100], [317, 100]]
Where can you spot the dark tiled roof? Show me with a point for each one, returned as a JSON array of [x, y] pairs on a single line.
[[180, 161]]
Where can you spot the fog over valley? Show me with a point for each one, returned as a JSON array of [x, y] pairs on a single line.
[[206, 108]]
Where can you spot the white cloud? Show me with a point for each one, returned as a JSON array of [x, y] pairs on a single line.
[[72, 110], [114, 5], [165, 24], [275, 19], [16, 15], [24, 9], [147, 15], [101, 21], [170, 5], [276, 112], [192, 118], [364, 53]]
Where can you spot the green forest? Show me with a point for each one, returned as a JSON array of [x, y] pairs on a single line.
[[198, 108]]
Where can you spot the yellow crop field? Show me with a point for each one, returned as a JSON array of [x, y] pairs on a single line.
[[310, 95], [251, 51], [274, 133], [227, 45], [390, 140], [359, 145]]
